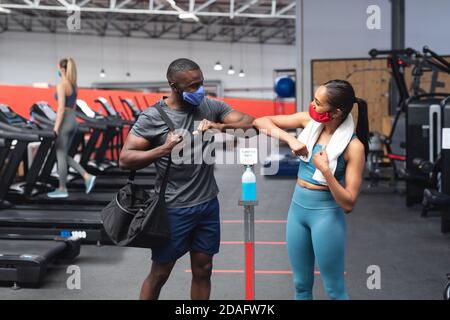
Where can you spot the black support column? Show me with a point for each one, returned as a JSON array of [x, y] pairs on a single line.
[[397, 42]]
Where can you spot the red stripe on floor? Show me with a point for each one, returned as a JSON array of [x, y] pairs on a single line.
[[256, 221], [317, 273], [256, 242]]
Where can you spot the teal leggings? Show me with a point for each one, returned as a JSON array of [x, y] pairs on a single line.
[[316, 229]]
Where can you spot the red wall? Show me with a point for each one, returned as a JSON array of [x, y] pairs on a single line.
[[20, 99]]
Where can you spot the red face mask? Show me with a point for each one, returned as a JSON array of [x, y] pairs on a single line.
[[319, 117]]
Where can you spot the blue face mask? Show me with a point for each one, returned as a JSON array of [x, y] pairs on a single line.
[[196, 97], [58, 73]]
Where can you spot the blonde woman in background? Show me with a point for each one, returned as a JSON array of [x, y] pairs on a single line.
[[66, 127]]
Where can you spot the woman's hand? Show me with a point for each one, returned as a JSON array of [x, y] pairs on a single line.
[[320, 161], [298, 148]]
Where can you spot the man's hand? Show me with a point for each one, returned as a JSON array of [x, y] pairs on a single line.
[[206, 124], [172, 140]]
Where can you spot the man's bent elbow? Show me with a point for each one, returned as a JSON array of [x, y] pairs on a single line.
[[123, 162]]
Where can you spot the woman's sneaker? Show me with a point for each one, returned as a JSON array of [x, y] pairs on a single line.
[[58, 194], [89, 183]]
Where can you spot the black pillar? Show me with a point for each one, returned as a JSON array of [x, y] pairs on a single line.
[[397, 42]]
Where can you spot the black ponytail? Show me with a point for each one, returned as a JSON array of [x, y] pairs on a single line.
[[341, 95], [362, 127]]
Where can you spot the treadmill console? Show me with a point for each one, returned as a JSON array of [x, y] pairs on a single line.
[[46, 110], [10, 117], [133, 107], [107, 106], [84, 108]]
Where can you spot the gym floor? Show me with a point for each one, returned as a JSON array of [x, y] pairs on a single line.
[[411, 252]]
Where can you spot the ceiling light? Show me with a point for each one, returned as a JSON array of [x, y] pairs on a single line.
[[188, 16], [231, 70], [218, 66]]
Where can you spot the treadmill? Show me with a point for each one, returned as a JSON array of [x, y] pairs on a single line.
[[24, 192], [24, 260], [135, 111], [42, 113], [100, 165], [31, 219]]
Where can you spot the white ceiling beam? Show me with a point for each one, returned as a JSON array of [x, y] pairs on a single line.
[[112, 4], [122, 4], [245, 6], [151, 12], [274, 7], [83, 3], [285, 9], [204, 5], [64, 3], [231, 9]]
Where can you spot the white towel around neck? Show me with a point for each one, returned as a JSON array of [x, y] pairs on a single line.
[[338, 142]]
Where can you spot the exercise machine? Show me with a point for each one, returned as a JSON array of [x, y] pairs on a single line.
[[24, 259]]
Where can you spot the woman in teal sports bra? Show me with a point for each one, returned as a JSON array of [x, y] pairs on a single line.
[[66, 126], [316, 226]]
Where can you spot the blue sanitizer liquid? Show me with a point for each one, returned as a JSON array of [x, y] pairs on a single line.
[[248, 185]]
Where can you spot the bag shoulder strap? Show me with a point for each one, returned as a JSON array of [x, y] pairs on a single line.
[[165, 117], [171, 126]]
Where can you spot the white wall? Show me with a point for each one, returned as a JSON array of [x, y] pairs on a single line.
[[428, 23], [26, 58], [332, 29], [337, 29]]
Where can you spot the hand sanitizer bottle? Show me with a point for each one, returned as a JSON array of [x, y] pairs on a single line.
[[248, 185]]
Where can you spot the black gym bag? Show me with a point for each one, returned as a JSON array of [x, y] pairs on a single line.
[[137, 217]]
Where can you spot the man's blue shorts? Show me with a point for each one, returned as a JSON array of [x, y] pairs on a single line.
[[195, 228]]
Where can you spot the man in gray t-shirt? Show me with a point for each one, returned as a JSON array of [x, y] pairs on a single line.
[[191, 193], [191, 182]]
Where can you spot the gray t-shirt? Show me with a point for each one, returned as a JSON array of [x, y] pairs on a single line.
[[192, 182]]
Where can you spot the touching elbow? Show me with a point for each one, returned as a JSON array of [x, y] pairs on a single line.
[[257, 122], [123, 163]]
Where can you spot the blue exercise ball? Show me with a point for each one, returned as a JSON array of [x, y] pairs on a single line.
[[285, 87]]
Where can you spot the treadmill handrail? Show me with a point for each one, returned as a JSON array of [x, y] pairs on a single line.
[[91, 122], [40, 132], [18, 136], [42, 119]]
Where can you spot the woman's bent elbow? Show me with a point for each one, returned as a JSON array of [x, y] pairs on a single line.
[[348, 208]]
